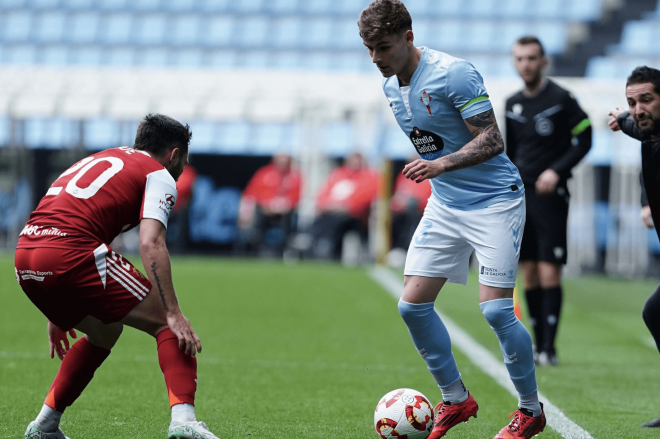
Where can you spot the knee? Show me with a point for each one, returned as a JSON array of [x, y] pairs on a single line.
[[499, 313], [414, 313]]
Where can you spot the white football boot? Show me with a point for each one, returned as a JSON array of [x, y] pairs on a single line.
[[189, 430], [34, 432]]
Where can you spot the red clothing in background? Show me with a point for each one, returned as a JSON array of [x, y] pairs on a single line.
[[405, 189], [274, 190], [349, 190], [184, 187]]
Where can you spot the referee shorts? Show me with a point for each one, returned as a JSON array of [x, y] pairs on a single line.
[[544, 237]]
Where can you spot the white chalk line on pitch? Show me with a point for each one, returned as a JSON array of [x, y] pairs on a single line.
[[485, 360]]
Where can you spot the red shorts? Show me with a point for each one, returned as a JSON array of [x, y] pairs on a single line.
[[68, 285]]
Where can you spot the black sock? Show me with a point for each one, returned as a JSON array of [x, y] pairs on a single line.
[[651, 314], [534, 304], [552, 298]]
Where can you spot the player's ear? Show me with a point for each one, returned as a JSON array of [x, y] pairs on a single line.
[[409, 36], [174, 154]]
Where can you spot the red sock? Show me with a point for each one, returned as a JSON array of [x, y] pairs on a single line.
[[76, 371], [180, 370]]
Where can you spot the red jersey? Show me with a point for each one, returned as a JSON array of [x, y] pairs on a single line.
[[404, 189], [98, 198], [273, 189], [353, 190]]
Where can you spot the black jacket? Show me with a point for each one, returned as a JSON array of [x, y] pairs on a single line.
[[650, 164]]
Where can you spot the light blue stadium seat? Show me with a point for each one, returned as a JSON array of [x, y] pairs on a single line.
[[222, 59], [583, 10], [22, 54], [78, 4], [50, 133], [151, 30], [12, 4], [600, 67], [145, 5], [49, 28], [286, 32], [444, 9], [317, 60], [154, 57], [512, 9], [315, 7], [318, 33], [507, 33], [282, 6], [117, 29], [86, 56], [337, 139], [481, 36], [187, 58], [286, 60], [349, 7], [179, 5], [205, 138], [637, 38], [17, 26], [354, 62], [447, 35], [248, 6], [253, 31], [255, 59], [553, 35], [214, 5], [112, 4], [234, 137], [267, 138], [480, 8], [5, 130], [100, 133], [550, 10], [184, 30], [55, 56], [127, 130], [422, 31], [219, 32], [44, 4], [119, 57], [83, 27], [419, 8], [347, 35]]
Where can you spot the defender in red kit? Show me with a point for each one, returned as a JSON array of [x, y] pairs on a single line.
[[66, 267]]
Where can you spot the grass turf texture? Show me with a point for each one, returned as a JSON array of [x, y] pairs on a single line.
[[307, 351]]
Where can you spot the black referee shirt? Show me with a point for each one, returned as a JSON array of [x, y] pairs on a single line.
[[549, 130]]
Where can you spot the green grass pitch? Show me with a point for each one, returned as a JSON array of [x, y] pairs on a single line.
[[306, 351]]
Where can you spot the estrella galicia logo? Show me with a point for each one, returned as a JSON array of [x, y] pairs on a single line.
[[426, 142]]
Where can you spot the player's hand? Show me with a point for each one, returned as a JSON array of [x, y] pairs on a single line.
[[181, 327], [55, 339], [420, 170], [647, 219], [613, 124], [547, 182]]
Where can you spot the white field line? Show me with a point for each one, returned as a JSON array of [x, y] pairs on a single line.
[[485, 360]]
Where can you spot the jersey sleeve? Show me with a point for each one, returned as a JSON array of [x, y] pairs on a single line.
[[159, 196], [466, 90], [577, 119]]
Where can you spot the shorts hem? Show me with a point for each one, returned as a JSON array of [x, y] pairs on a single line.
[[497, 284], [450, 278]]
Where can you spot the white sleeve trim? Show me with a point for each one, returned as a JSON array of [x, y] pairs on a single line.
[[159, 196]]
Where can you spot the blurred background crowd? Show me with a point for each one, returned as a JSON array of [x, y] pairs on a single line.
[[295, 153]]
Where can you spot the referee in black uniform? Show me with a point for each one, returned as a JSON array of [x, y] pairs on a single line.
[[547, 134]]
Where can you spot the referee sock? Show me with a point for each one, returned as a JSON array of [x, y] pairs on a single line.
[[535, 305], [432, 342], [76, 371], [552, 301], [180, 370]]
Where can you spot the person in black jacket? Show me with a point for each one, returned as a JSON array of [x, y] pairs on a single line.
[[642, 122], [547, 134]]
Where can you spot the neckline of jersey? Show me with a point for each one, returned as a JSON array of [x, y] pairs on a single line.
[[416, 73]]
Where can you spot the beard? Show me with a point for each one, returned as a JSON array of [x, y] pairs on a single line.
[[653, 128]]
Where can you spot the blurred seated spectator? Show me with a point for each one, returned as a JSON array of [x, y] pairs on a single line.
[[267, 210], [407, 206], [342, 205], [177, 230]]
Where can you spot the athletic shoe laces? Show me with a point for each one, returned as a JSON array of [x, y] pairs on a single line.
[[519, 420]]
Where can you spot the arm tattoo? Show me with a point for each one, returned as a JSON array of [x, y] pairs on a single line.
[[160, 288], [487, 143]]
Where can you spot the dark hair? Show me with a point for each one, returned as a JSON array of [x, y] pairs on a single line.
[[158, 133], [382, 18], [643, 74], [531, 39]]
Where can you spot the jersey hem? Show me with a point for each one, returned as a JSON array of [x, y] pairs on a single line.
[[483, 204]]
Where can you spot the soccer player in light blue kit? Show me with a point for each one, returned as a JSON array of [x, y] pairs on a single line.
[[478, 204]]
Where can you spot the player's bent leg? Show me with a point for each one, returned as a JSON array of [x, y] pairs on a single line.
[[432, 341]]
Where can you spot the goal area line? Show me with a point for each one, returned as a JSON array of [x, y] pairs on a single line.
[[484, 359]]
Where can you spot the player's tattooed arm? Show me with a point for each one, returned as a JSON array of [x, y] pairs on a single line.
[[161, 293], [487, 143]]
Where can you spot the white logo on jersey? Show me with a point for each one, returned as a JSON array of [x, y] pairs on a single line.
[[167, 204], [544, 126], [517, 109]]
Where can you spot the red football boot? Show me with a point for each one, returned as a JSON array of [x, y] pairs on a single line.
[[523, 425], [448, 415]]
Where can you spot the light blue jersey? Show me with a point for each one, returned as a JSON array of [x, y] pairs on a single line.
[[443, 91]]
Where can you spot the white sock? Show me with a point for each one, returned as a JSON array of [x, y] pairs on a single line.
[[183, 413], [48, 419]]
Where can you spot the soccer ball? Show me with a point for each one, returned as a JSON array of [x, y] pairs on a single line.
[[404, 414]]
